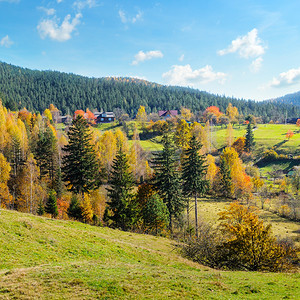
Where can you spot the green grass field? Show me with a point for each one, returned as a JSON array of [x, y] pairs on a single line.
[[266, 136], [51, 259]]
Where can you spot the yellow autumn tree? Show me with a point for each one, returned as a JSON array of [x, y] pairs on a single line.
[[30, 186], [5, 197], [3, 131], [211, 169], [186, 114], [121, 140], [47, 114], [141, 117], [86, 209], [107, 149], [232, 113], [182, 134], [201, 135], [242, 184], [249, 244]]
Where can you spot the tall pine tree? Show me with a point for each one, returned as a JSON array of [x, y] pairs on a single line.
[[194, 171], [80, 166], [120, 192], [167, 179], [226, 179], [51, 205], [249, 143]]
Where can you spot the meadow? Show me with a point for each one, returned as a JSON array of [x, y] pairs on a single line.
[[266, 136], [52, 259]]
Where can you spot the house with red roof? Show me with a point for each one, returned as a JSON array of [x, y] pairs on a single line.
[[167, 114]]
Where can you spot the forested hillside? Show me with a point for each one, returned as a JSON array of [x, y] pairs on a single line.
[[293, 99], [35, 90]]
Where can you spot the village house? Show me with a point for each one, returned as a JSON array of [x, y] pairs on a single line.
[[167, 114], [105, 117]]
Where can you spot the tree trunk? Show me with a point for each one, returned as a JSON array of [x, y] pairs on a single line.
[[196, 215], [188, 215]]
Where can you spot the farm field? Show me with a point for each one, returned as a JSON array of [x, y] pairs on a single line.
[[71, 259]]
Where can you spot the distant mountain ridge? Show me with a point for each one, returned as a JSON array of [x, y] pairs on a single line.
[[35, 90], [293, 99]]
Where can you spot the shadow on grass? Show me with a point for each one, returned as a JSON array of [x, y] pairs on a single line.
[[270, 216], [280, 144]]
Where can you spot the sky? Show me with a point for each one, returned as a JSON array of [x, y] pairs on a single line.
[[245, 49]]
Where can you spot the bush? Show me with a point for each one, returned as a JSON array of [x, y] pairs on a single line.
[[241, 242], [270, 155]]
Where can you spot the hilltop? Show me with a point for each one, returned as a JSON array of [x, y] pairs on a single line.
[[293, 99], [63, 259], [35, 90]]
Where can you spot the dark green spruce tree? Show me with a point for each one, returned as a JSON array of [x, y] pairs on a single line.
[[226, 185], [74, 210], [249, 143], [46, 154], [194, 170], [51, 205], [120, 193], [81, 171], [40, 209], [167, 179]]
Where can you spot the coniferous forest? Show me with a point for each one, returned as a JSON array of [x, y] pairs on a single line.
[[36, 90]]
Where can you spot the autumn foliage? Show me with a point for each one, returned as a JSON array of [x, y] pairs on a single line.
[[241, 242]]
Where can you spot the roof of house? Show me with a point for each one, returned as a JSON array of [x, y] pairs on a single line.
[[106, 114], [163, 113]]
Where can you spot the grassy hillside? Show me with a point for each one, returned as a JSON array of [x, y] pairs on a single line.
[[266, 136], [51, 259]]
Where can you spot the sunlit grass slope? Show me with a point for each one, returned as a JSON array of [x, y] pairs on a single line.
[[50, 259], [266, 136]]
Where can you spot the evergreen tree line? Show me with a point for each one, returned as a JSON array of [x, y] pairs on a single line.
[[36, 90]]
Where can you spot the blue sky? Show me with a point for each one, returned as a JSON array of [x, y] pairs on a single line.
[[246, 49]]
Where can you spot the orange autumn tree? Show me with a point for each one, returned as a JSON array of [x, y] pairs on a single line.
[[298, 123], [239, 145], [289, 134], [213, 111], [241, 182]]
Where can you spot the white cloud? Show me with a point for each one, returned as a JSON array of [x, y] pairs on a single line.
[[186, 76], [249, 45], [6, 42], [122, 16], [86, 3], [59, 1], [58, 32], [256, 65], [142, 56], [289, 77], [48, 11], [181, 58], [125, 19]]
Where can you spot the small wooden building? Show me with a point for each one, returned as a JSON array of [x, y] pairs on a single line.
[[167, 114], [105, 117]]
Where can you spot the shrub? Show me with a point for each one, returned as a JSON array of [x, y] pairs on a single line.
[[270, 155], [241, 242]]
